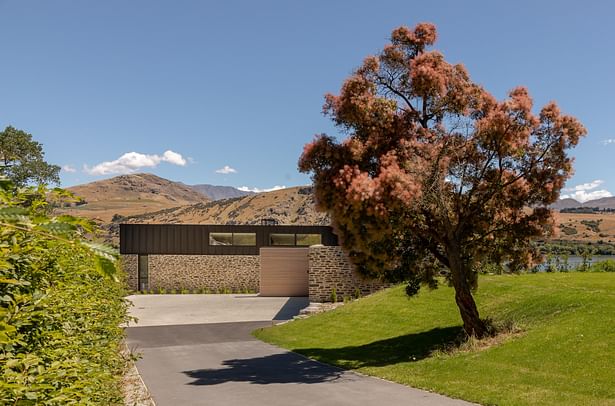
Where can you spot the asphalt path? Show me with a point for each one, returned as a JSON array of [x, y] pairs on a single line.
[[215, 363]]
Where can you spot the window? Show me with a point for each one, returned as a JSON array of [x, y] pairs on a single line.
[[220, 238], [240, 239], [142, 273], [305, 240], [245, 239], [281, 239]]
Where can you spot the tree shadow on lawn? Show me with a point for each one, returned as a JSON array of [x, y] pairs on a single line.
[[406, 348]]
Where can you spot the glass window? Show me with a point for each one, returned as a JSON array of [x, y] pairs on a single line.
[[220, 238], [306, 240], [142, 273], [244, 239], [281, 239]]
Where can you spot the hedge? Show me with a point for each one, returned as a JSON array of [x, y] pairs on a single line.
[[61, 307]]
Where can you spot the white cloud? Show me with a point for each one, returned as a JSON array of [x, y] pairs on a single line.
[[69, 169], [608, 141], [585, 186], [133, 161], [257, 190], [226, 170], [585, 191], [173, 158]]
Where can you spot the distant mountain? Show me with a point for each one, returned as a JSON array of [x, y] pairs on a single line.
[[602, 203], [214, 192], [566, 204], [131, 194]]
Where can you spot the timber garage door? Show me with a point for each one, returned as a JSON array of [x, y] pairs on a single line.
[[284, 272]]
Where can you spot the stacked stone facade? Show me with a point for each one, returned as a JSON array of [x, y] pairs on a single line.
[[237, 273], [330, 268], [129, 264]]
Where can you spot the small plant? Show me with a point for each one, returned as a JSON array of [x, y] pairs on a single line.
[[413, 286], [357, 293], [173, 292], [227, 291], [160, 291], [347, 299], [184, 291], [334, 295]]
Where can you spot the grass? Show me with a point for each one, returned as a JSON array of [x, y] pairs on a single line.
[[563, 354]]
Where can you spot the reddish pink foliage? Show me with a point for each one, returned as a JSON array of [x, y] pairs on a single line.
[[435, 167]]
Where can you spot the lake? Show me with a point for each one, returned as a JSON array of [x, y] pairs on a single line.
[[575, 261]]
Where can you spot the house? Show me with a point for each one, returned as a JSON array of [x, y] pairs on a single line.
[[274, 260]]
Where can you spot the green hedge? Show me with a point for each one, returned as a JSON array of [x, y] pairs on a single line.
[[61, 308]]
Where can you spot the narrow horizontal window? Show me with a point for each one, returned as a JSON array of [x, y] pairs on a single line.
[[281, 239], [245, 239], [220, 238], [305, 240]]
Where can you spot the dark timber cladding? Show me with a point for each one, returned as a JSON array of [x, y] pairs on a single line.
[[194, 239]]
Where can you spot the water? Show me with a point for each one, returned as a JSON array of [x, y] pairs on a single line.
[[574, 261]]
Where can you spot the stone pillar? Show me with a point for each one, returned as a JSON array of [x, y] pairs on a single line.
[[330, 268]]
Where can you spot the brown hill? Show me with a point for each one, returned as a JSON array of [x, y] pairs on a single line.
[[287, 206], [131, 194], [586, 227]]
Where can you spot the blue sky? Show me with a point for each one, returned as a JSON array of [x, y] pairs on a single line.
[[239, 85]]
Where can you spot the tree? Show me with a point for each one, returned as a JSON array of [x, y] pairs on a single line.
[[22, 159], [435, 173]]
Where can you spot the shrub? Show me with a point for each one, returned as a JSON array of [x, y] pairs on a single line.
[[334, 295], [603, 266], [61, 307]]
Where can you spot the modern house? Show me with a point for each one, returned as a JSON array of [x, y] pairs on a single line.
[[274, 260]]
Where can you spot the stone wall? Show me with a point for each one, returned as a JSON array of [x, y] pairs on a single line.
[[330, 268], [129, 264], [213, 272]]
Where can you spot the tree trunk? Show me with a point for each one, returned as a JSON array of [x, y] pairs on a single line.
[[472, 324]]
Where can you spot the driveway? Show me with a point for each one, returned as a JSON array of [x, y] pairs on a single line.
[[202, 361]]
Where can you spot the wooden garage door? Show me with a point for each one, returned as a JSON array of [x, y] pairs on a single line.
[[284, 272]]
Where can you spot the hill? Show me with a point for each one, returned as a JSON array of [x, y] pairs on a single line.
[[131, 194], [601, 204], [287, 206], [586, 227], [214, 192], [558, 352]]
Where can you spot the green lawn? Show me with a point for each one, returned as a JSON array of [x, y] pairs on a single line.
[[565, 353]]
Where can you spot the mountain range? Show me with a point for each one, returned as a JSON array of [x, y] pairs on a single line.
[[146, 198], [568, 203]]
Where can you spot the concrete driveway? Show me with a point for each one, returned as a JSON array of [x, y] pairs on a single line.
[[190, 357]]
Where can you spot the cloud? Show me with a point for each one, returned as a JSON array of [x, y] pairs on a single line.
[[585, 191], [69, 169], [226, 170], [608, 141], [257, 190], [585, 186], [133, 161]]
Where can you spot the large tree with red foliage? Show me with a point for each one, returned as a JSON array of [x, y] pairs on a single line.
[[435, 173]]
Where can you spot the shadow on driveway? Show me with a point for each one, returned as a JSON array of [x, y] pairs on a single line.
[[274, 368]]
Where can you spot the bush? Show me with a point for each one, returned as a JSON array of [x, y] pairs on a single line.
[[61, 307], [603, 266]]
